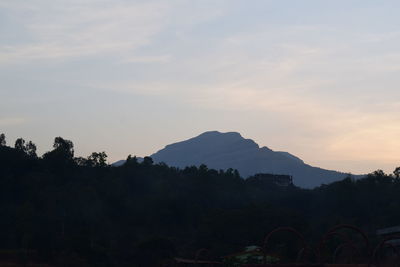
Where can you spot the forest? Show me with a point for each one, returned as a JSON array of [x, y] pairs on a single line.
[[75, 211]]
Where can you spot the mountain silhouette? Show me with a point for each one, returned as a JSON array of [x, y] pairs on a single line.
[[230, 150]]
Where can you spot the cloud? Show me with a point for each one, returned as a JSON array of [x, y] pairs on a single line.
[[63, 30]]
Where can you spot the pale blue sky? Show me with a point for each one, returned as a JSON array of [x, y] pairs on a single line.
[[318, 79]]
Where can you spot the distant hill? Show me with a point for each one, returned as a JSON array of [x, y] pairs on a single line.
[[230, 150], [118, 163]]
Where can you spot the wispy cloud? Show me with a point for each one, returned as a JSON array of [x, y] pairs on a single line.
[[82, 28]]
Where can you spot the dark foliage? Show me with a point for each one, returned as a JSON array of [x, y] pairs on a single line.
[[83, 212]]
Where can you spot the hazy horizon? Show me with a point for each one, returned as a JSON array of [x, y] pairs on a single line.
[[315, 79]]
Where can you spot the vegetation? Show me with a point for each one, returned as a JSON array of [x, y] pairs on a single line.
[[81, 211]]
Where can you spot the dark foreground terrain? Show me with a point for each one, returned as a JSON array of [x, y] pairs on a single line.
[[62, 210]]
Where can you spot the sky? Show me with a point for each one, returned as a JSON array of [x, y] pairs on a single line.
[[318, 79]]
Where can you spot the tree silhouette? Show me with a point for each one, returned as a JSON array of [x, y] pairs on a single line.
[[30, 149], [147, 161], [98, 159], [65, 146], [62, 156], [20, 145], [81, 161], [2, 139], [396, 173]]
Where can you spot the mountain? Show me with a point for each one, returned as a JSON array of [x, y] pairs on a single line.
[[230, 150], [118, 163]]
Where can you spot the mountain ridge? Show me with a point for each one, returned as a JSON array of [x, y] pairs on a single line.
[[227, 150], [220, 150]]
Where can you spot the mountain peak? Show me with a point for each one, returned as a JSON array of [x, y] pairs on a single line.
[[219, 134], [220, 150], [206, 144], [232, 138]]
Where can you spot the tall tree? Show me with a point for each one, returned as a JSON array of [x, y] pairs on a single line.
[[2, 139], [397, 172], [30, 149], [98, 159], [61, 156], [64, 145], [148, 161], [20, 145]]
